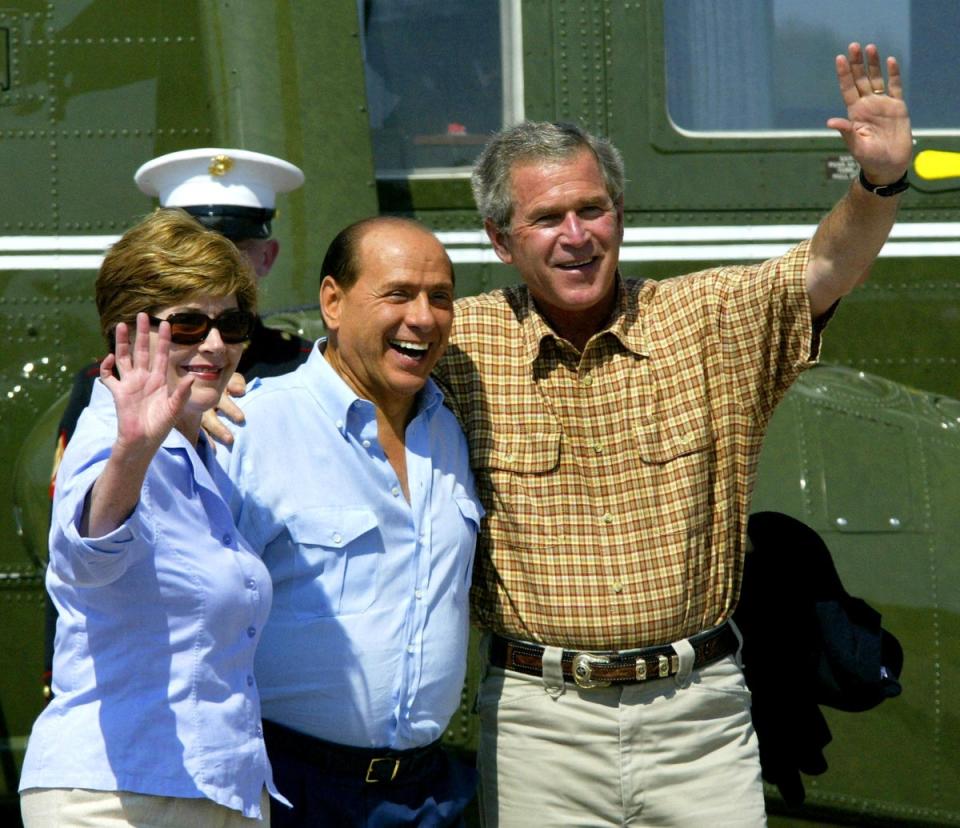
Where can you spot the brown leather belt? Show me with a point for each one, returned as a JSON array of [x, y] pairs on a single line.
[[601, 669]]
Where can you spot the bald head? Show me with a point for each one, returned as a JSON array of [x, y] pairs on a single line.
[[342, 261]]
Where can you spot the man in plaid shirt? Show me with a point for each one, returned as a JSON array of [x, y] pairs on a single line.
[[614, 430]]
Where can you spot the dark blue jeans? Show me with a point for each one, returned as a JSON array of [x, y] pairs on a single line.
[[328, 786]]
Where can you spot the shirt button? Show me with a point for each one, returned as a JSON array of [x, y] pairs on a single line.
[[249, 681], [251, 631], [607, 517], [419, 594], [227, 539], [395, 491], [366, 444], [251, 584], [337, 537], [617, 586], [259, 731], [587, 381], [339, 423], [411, 648], [598, 448]]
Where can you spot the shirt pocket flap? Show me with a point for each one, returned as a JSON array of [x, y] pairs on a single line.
[[332, 526], [667, 440], [468, 509], [522, 453]]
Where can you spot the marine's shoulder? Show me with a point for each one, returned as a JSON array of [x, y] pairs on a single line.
[[273, 352]]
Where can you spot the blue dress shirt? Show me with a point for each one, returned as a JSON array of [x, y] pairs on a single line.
[[158, 624], [366, 643]]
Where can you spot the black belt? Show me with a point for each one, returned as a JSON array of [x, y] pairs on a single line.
[[601, 669], [369, 764]]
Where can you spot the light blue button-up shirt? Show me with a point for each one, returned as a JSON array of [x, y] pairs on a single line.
[[366, 642], [158, 623]]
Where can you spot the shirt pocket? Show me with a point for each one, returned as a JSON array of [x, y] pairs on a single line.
[[470, 527], [509, 461], [523, 453], [678, 469], [517, 470], [337, 560]]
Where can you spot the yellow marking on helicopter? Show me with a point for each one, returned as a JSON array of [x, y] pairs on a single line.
[[935, 164]]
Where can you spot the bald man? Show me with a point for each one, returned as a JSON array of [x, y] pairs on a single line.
[[353, 481]]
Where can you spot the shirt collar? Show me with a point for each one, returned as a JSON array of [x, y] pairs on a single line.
[[101, 401], [100, 398], [626, 322], [338, 399], [210, 477]]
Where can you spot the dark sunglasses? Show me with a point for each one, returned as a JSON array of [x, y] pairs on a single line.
[[191, 327]]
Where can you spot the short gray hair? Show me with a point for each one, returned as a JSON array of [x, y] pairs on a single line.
[[536, 141]]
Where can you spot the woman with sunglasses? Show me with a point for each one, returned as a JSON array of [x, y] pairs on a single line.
[[156, 716]]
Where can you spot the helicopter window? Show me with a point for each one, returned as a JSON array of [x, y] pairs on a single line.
[[439, 79], [711, 46]]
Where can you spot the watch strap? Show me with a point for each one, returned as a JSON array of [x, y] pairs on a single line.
[[884, 190]]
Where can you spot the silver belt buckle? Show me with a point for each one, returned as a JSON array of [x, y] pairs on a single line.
[[583, 664]]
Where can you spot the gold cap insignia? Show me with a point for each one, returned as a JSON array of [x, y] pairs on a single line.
[[220, 165]]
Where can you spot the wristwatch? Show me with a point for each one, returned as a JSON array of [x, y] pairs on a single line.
[[885, 190]]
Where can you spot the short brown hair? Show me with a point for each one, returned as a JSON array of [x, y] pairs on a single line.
[[164, 260], [536, 141]]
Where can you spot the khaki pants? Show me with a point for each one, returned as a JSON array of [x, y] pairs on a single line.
[[678, 751], [79, 808]]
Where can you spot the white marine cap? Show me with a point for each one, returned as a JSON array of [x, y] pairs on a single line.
[[233, 191]]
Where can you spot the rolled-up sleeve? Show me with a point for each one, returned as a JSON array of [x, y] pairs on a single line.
[[87, 562]]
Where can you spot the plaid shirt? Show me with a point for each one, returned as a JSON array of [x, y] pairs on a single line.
[[617, 481]]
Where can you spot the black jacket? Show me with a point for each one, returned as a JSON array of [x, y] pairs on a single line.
[[806, 642]]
